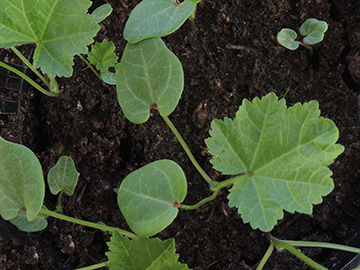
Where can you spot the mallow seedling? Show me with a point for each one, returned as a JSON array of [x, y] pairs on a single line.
[[22, 191], [60, 29], [313, 31]]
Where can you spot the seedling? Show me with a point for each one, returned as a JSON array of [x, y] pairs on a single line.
[[60, 30], [313, 31]]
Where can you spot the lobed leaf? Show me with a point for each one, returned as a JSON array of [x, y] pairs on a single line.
[[156, 18], [21, 181], [147, 197], [313, 30], [149, 75], [60, 28], [283, 154], [142, 253], [63, 176], [287, 38], [102, 55]]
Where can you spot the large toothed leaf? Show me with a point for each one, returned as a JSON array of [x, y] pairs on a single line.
[[142, 253], [283, 154], [60, 28], [156, 18], [21, 181], [148, 197], [63, 176], [149, 75]]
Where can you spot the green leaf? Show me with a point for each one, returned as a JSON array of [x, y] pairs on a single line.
[[36, 225], [60, 28], [313, 30], [102, 12], [156, 18], [102, 55], [142, 254], [21, 181], [287, 38], [283, 154], [109, 78], [147, 196], [149, 75], [63, 176]]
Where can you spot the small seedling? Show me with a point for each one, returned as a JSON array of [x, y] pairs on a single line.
[[312, 29]]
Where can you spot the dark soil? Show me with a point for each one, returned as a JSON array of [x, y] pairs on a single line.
[[231, 53]]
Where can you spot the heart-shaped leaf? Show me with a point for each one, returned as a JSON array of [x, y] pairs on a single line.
[[36, 225], [142, 253], [156, 18], [60, 28], [287, 38], [283, 154], [148, 197], [313, 30], [21, 181], [63, 176], [148, 76]]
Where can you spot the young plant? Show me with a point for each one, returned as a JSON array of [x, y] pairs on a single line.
[[22, 191], [278, 156], [60, 29], [102, 56], [313, 31]]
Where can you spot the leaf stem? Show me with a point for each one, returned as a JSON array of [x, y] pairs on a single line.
[[283, 245], [87, 223], [311, 50], [187, 150], [90, 66], [203, 201], [321, 245], [91, 267], [29, 80], [26, 62], [228, 182], [266, 256]]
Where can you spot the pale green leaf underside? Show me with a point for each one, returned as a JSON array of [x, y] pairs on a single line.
[[283, 154], [142, 253], [21, 181], [148, 74], [156, 18], [287, 38], [313, 30], [60, 28], [146, 196], [63, 176], [36, 225], [102, 55], [102, 12]]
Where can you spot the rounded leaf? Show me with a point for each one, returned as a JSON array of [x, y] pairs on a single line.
[[156, 18], [63, 176], [21, 181], [148, 76], [148, 196], [36, 225], [286, 37], [313, 30]]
